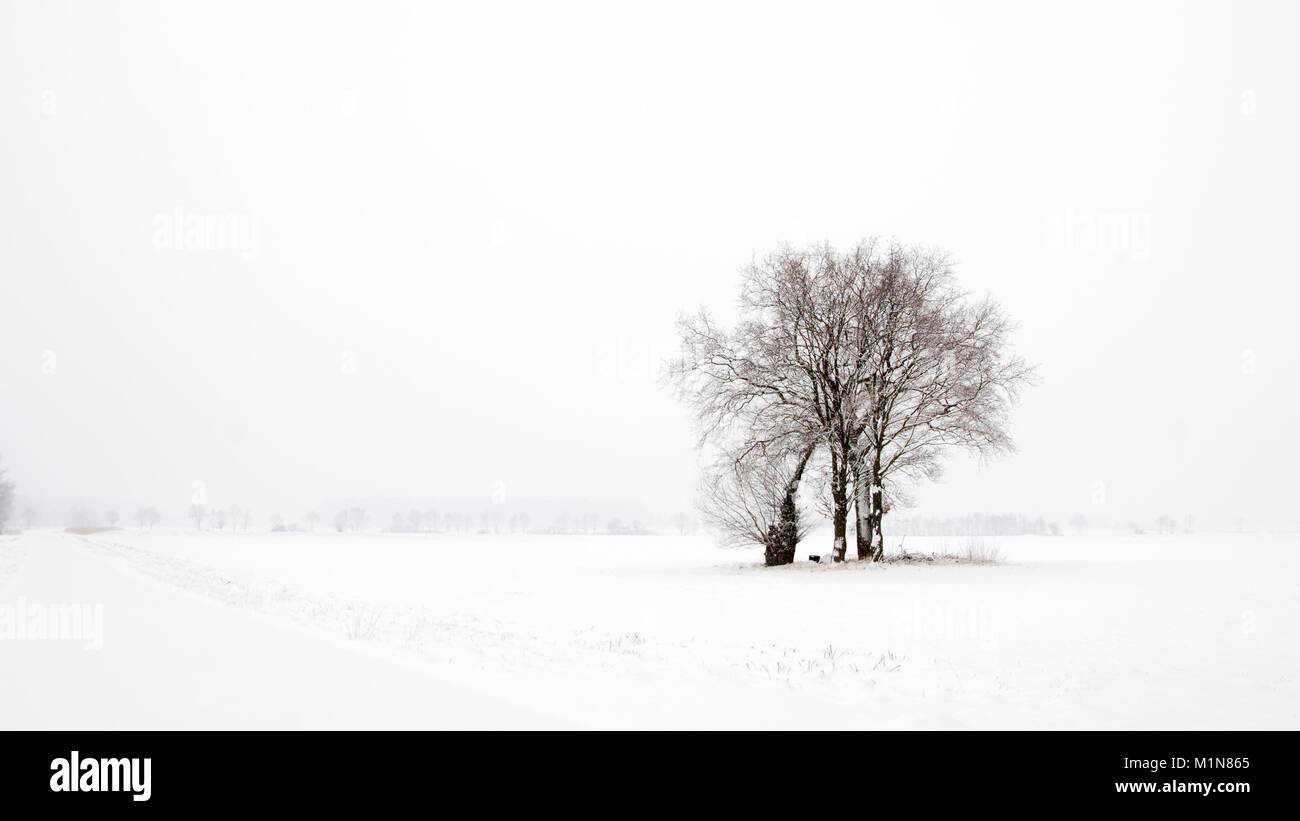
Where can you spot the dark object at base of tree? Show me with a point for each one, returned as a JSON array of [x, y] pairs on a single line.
[[817, 559]]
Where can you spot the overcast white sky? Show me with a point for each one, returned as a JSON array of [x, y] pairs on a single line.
[[471, 227]]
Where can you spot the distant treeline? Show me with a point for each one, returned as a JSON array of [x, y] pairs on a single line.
[[1005, 524]]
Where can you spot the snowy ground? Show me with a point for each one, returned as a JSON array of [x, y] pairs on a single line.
[[387, 630]]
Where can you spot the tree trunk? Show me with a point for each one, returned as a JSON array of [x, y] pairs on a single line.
[[840, 498], [783, 537], [877, 513], [862, 515], [774, 553]]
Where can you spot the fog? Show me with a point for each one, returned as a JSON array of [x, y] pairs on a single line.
[[301, 251]]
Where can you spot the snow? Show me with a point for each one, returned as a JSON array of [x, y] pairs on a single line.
[[404, 630]]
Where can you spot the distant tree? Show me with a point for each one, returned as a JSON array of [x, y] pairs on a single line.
[[356, 518], [29, 516], [311, 519], [1078, 521], [6, 499], [147, 517], [524, 521], [248, 518], [681, 521], [430, 519], [219, 519], [277, 523], [112, 518], [198, 514], [415, 520], [1187, 523], [1054, 529], [341, 521], [233, 516], [398, 524], [1165, 524]]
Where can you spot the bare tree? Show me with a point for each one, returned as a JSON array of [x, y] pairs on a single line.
[[680, 521], [751, 499], [219, 519], [356, 518], [29, 516], [112, 518], [198, 513], [782, 383], [934, 374], [147, 517], [312, 518]]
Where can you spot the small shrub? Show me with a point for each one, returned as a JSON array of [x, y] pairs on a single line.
[[977, 551]]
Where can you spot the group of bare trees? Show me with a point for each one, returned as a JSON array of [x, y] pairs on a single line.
[[216, 518], [415, 521], [856, 369], [352, 518], [147, 517]]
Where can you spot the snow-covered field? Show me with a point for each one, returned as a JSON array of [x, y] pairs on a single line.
[[393, 630]]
